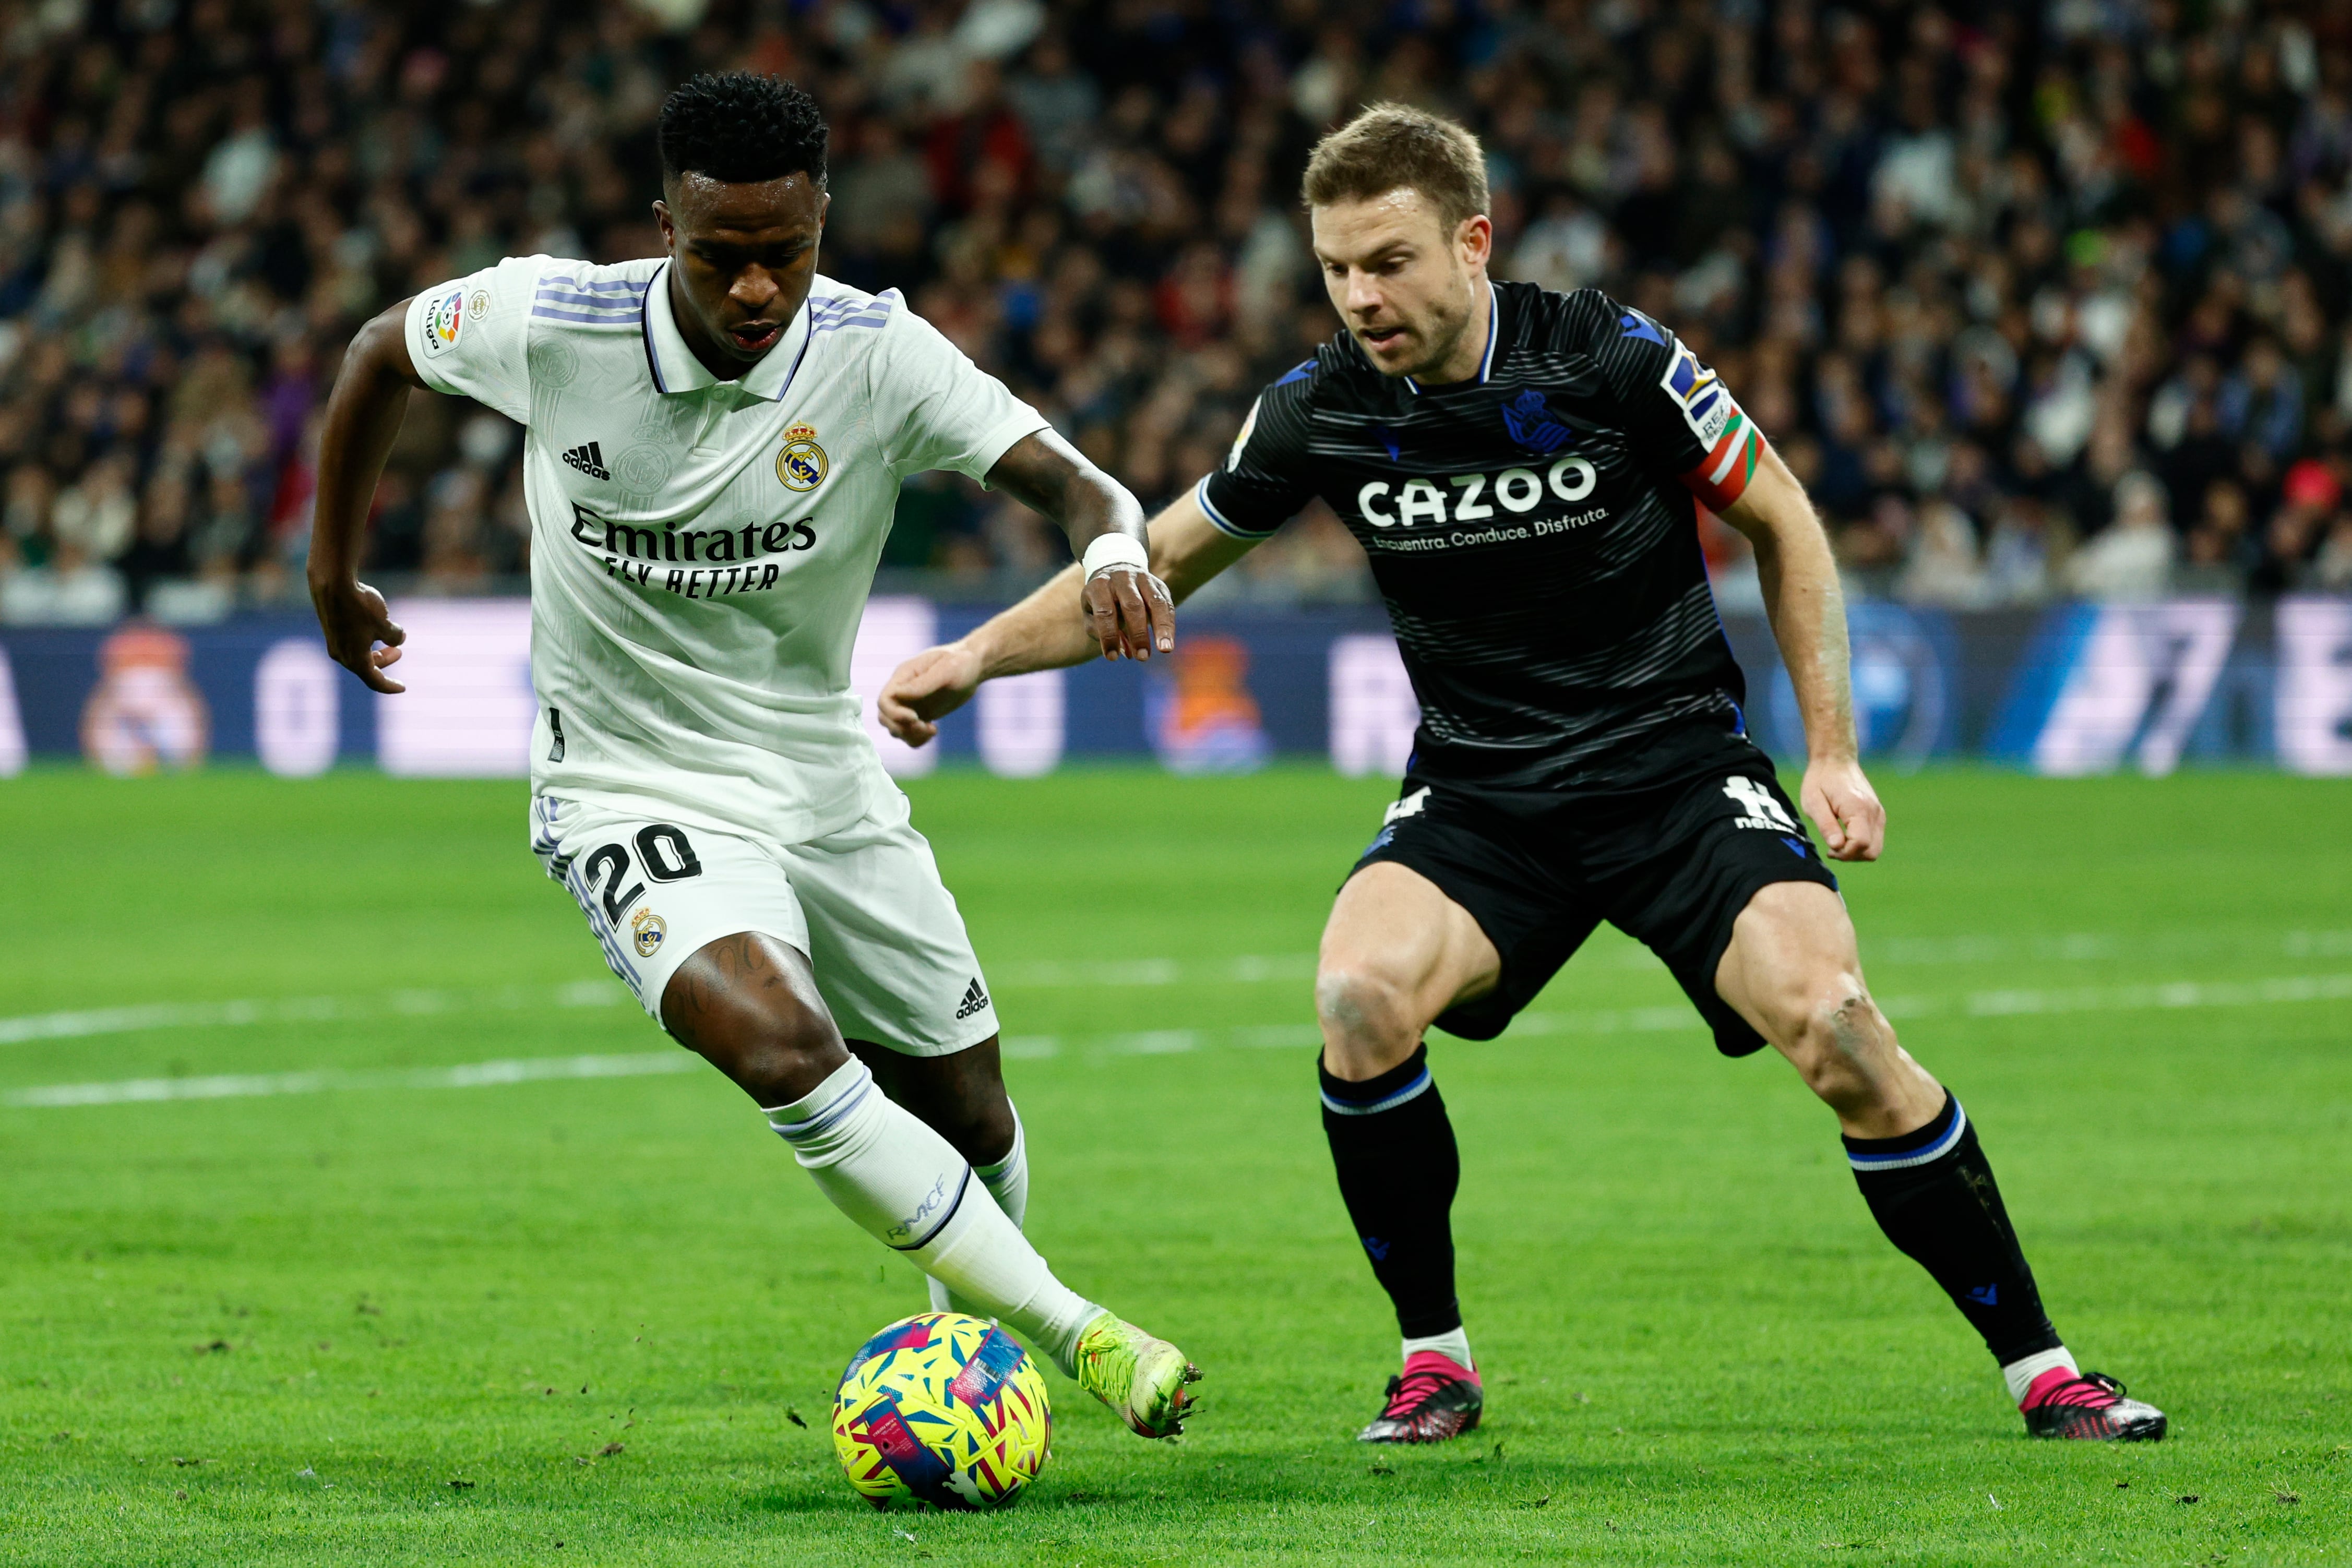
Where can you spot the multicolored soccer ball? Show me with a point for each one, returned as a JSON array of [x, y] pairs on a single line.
[[941, 1410]]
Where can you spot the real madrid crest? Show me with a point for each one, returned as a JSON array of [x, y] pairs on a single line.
[[802, 463], [647, 929]]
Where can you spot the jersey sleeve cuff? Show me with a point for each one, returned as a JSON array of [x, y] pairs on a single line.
[[1011, 428], [1224, 523]]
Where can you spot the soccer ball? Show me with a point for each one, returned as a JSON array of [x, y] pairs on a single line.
[[941, 1410]]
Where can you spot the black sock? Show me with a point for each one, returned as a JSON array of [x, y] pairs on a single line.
[[1393, 1150], [1932, 1194]]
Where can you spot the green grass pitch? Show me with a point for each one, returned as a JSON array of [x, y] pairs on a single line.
[[349, 1306]]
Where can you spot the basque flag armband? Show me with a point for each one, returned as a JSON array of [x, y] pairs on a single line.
[[1732, 442]]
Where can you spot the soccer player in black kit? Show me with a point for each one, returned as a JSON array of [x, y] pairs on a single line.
[[1520, 466]]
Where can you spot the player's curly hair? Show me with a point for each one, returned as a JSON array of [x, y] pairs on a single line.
[[741, 128]]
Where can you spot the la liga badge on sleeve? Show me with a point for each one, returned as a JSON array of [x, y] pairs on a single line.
[[444, 319]]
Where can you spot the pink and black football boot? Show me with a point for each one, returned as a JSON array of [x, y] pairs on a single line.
[[1434, 1398], [2088, 1407]]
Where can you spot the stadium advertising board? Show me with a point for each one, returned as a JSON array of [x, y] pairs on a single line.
[[2078, 689]]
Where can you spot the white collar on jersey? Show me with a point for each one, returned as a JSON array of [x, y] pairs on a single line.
[[1494, 336], [675, 370]]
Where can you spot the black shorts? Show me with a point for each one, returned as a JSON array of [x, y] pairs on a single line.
[[1671, 867]]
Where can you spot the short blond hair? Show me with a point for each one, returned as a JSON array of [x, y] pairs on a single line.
[[1392, 146]]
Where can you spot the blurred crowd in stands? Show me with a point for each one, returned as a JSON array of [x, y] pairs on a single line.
[[2038, 299]]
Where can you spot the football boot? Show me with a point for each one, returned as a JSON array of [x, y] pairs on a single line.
[[1141, 1377], [2089, 1407], [1435, 1397]]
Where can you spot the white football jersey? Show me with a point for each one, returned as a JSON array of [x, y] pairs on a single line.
[[703, 550]]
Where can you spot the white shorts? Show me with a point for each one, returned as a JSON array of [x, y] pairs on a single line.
[[866, 905]]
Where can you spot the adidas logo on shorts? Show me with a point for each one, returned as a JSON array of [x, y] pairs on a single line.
[[589, 460], [974, 999]]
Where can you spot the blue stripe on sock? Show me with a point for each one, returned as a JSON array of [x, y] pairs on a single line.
[[797, 1132], [1339, 1107], [1940, 1135]]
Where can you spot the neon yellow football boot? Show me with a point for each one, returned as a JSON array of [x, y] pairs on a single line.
[[1141, 1377]]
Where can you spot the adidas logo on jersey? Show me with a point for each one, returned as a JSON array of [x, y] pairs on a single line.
[[589, 460], [974, 999]]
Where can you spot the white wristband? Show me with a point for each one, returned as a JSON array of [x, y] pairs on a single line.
[[1109, 550]]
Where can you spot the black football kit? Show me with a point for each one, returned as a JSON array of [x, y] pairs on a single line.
[[1582, 756]]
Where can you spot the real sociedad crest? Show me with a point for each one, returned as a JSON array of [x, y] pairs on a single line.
[[1533, 424], [802, 463]]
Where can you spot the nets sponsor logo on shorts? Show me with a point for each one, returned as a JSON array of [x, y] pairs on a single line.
[[975, 998], [1760, 808], [1412, 805], [647, 932]]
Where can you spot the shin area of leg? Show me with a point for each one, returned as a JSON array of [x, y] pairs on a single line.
[[905, 1185]]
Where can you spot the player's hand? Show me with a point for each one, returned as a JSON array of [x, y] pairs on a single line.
[[1844, 808], [927, 687], [1129, 613], [354, 617]]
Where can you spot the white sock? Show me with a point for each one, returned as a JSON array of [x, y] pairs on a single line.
[[1453, 1345], [903, 1185], [1007, 1181], [2020, 1375]]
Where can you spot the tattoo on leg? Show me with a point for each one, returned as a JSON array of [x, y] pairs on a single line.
[[737, 965]]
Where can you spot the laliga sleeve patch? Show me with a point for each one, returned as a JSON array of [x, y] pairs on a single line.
[[1241, 440], [444, 319], [1707, 408]]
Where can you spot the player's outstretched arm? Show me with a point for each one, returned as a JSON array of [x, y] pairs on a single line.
[[364, 415], [1807, 612], [1043, 632], [1127, 609]]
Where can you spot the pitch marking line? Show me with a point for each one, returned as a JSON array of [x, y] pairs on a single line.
[[296, 1010], [1679, 1016], [2284, 988], [2077, 947], [1248, 968], [247, 1086]]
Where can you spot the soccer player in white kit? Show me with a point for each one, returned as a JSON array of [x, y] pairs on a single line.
[[714, 442]]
